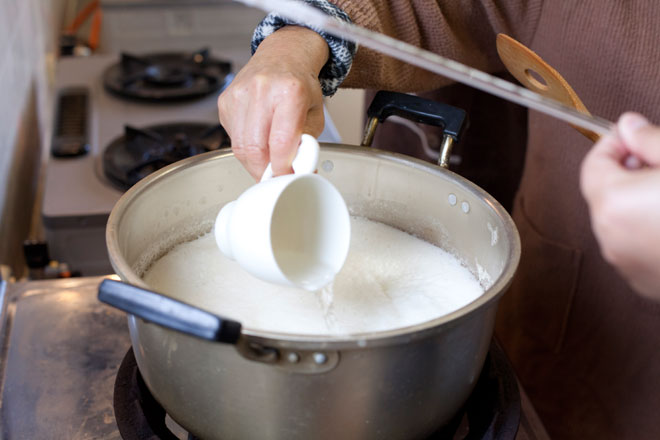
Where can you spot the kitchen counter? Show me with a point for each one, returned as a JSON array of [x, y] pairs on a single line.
[[61, 349]]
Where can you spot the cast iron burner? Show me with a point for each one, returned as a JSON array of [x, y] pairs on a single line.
[[491, 412], [167, 76], [141, 151]]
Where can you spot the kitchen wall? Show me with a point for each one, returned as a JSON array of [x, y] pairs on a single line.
[[348, 112], [28, 40]]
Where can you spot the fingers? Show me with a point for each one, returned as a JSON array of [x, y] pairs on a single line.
[[265, 115], [297, 113], [289, 115], [255, 124], [248, 139], [263, 124], [602, 165], [233, 107], [640, 137]]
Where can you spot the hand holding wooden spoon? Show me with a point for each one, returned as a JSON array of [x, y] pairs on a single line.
[[620, 177], [624, 203]]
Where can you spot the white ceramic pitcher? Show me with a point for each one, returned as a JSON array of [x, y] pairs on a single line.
[[292, 229]]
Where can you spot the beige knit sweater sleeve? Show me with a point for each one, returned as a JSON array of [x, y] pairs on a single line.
[[463, 30]]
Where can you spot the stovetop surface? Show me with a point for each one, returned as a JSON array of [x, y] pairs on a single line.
[[61, 350], [76, 187]]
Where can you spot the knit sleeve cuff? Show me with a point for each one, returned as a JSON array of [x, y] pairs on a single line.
[[341, 51]]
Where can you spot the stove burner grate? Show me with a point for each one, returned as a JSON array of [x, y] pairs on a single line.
[[141, 151], [167, 76], [492, 412]]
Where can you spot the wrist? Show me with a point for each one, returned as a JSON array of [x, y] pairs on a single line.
[[297, 45], [341, 52]]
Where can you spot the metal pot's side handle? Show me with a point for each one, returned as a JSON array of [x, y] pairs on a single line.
[[168, 312], [175, 315], [453, 120]]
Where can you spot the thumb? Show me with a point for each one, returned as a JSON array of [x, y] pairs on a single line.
[[315, 122], [602, 166], [640, 137]]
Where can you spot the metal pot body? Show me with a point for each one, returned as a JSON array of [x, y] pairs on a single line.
[[398, 384]]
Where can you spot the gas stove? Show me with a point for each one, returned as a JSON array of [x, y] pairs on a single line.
[[67, 372], [169, 76], [141, 151], [118, 118]]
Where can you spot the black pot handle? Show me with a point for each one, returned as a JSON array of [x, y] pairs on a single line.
[[453, 120], [168, 312]]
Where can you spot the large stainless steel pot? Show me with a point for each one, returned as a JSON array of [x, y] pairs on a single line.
[[398, 384]]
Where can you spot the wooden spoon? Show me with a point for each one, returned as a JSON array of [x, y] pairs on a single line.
[[539, 76]]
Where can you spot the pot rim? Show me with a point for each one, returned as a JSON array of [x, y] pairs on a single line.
[[388, 337]]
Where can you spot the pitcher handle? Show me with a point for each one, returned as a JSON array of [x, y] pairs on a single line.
[[306, 160]]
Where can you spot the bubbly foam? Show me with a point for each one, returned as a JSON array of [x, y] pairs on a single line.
[[390, 280]]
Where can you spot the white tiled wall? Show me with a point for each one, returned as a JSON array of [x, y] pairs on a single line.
[[28, 30]]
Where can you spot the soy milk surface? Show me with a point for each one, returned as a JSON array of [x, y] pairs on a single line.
[[390, 280]]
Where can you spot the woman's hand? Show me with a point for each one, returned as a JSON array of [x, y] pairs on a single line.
[[274, 99], [625, 202]]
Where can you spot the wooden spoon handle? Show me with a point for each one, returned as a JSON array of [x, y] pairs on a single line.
[[537, 75]]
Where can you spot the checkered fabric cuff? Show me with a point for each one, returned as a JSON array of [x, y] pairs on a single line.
[[341, 51]]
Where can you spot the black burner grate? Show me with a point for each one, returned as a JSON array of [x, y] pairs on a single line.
[[141, 151], [139, 416], [492, 411], [167, 76]]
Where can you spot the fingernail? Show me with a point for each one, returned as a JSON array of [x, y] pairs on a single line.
[[631, 122], [632, 162]]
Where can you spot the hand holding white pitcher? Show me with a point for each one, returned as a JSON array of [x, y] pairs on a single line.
[[292, 229]]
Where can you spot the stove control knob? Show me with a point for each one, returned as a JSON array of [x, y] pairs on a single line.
[[71, 131]]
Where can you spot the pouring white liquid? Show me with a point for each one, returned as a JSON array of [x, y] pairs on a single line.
[[390, 280]]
